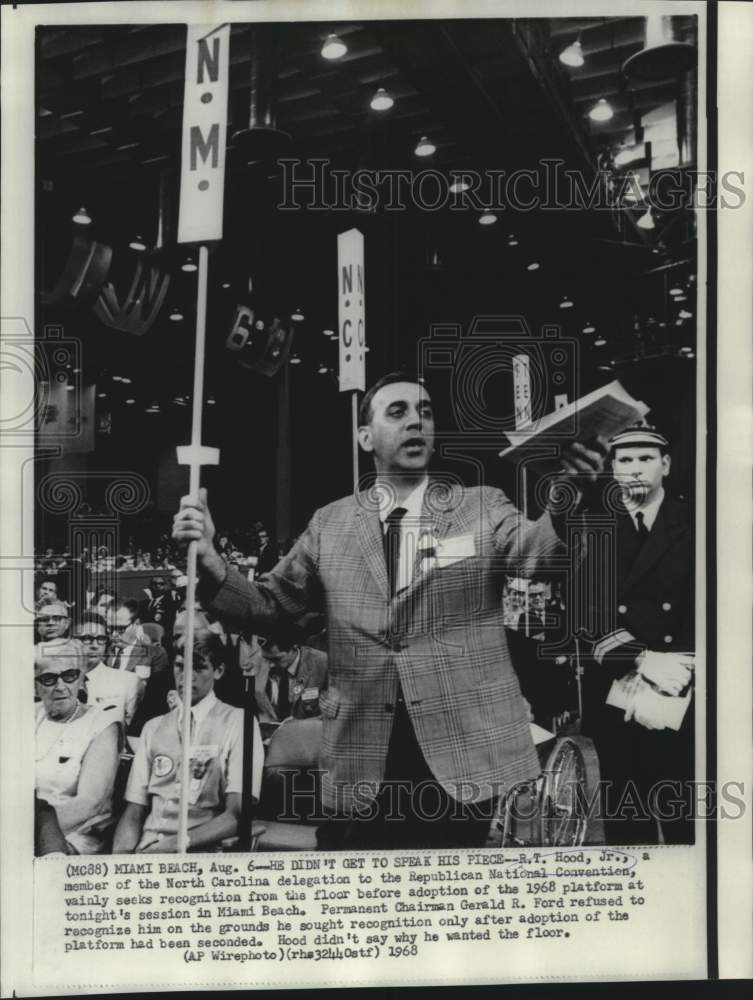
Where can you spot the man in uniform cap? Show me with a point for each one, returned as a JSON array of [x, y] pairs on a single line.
[[640, 674]]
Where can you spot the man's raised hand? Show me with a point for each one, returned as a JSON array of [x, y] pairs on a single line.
[[193, 523], [584, 461]]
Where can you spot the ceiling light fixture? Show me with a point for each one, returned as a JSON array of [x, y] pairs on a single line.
[[189, 265], [573, 55], [457, 187], [138, 244], [176, 315], [294, 359], [211, 401], [533, 266], [685, 314], [512, 240], [101, 395], [487, 219], [381, 101], [226, 284], [601, 111], [425, 147], [130, 402], [589, 328], [297, 316], [334, 47], [126, 381], [322, 369], [600, 341], [566, 303], [82, 217]]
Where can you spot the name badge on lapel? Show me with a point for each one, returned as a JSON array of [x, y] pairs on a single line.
[[452, 550]]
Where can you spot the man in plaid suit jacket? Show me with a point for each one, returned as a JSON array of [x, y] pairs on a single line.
[[420, 687]]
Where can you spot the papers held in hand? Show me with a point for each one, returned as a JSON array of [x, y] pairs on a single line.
[[652, 708], [603, 412]]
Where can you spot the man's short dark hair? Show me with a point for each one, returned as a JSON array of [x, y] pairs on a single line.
[[285, 637], [364, 410], [90, 618], [212, 648]]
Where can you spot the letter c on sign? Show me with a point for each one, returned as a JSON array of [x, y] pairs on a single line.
[[361, 335], [347, 335]]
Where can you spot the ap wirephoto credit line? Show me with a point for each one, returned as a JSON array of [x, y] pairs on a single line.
[[362, 490]]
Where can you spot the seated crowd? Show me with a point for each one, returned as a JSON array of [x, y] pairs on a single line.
[[250, 549], [109, 688]]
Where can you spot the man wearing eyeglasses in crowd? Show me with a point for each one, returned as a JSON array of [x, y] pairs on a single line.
[[52, 621], [128, 643], [105, 685]]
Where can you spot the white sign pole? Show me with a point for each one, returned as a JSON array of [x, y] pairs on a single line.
[[193, 489], [521, 375], [352, 326], [200, 220], [354, 400]]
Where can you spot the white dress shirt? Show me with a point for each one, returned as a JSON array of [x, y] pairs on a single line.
[[649, 510], [106, 685]]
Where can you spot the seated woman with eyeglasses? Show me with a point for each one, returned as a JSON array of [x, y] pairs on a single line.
[[77, 747]]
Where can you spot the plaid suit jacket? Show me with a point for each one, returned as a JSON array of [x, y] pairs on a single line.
[[441, 638]]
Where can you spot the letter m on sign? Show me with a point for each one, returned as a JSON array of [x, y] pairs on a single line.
[[205, 147], [202, 173]]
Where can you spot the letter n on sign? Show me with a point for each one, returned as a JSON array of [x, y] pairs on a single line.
[[351, 310], [202, 170]]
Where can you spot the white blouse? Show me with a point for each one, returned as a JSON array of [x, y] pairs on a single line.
[[60, 750]]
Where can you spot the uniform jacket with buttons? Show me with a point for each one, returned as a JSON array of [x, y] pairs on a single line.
[[441, 639], [646, 602]]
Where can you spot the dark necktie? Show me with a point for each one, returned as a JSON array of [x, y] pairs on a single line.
[[391, 541], [116, 660], [641, 526], [282, 706]]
